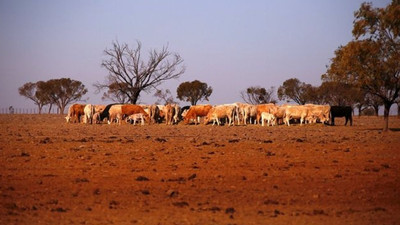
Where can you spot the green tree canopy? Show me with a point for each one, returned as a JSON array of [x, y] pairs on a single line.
[[193, 91], [293, 89], [34, 92], [64, 91]]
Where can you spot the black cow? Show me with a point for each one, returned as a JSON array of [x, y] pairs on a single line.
[[342, 111]]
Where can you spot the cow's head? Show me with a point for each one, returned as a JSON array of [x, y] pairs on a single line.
[[68, 118]]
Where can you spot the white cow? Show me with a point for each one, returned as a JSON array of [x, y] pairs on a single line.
[[89, 111]]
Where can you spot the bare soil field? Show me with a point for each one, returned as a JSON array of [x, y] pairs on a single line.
[[57, 173]]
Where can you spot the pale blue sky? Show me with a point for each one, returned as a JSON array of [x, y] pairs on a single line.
[[230, 45]]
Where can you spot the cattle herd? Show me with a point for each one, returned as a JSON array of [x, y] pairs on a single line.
[[231, 114]]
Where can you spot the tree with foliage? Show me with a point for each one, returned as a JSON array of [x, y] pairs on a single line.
[[130, 74], [340, 94], [164, 96], [258, 95], [293, 89], [64, 91], [193, 91], [372, 60], [34, 92]]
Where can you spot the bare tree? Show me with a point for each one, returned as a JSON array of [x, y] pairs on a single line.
[[165, 96], [115, 94], [258, 95], [132, 75]]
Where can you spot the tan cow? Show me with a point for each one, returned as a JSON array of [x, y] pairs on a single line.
[[221, 111], [169, 112], [317, 113], [75, 112], [196, 111], [250, 114], [295, 112], [115, 113]]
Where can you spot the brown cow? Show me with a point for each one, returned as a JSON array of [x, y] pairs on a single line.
[[130, 109], [196, 111], [269, 108], [75, 112]]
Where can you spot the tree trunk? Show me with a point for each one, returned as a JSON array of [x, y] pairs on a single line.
[[135, 97], [376, 108], [62, 109], [51, 105], [398, 110], [386, 116], [359, 110]]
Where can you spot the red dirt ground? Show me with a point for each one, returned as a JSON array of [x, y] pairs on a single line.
[[57, 173]]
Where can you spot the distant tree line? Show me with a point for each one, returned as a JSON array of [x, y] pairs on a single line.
[[58, 92]]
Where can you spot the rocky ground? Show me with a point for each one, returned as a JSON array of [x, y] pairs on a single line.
[[57, 173]]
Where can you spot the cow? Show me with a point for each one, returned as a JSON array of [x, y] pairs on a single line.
[[196, 111], [105, 114], [250, 114], [75, 112], [220, 112], [295, 112], [99, 108], [89, 111], [115, 114], [177, 115], [129, 109], [341, 111], [96, 118], [154, 113], [169, 112], [270, 118], [184, 111], [269, 108], [134, 118], [280, 114], [317, 113]]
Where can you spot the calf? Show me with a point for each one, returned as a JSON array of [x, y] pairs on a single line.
[[270, 118], [269, 108], [134, 118]]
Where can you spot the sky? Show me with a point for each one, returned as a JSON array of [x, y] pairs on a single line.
[[228, 44]]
